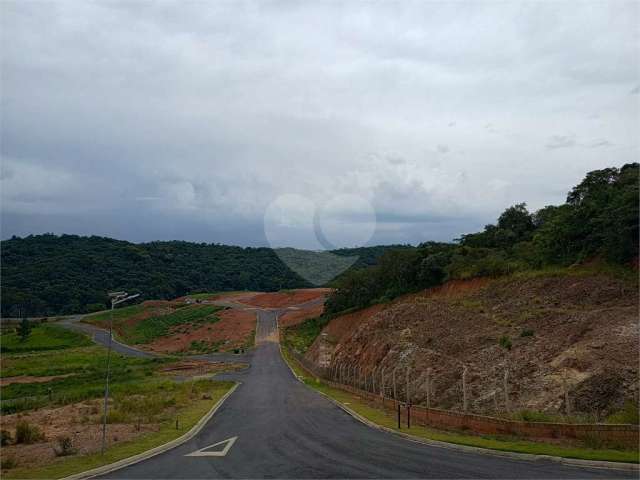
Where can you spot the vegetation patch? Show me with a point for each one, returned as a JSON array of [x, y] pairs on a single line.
[[148, 415], [42, 336]]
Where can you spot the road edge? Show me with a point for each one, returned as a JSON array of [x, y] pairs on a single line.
[[467, 448], [125, 462]]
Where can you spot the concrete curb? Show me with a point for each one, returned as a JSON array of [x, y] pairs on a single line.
[[125, 462], [634, 467]]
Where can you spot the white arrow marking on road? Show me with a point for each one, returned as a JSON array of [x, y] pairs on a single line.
[[205, 452]]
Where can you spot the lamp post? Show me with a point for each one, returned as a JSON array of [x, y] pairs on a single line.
[[116, 298]]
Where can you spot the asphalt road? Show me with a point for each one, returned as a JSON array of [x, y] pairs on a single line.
[[285, 430], [101, 337]]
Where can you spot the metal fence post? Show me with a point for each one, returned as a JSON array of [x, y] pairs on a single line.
[[464, 389], [429, 387]]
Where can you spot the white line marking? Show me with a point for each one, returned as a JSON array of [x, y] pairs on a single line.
[[203, 452]]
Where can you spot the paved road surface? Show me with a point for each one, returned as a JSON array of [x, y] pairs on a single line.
[[101, 337], [285, 430]]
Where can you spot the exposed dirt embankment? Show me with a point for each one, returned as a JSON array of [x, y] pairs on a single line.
[[234, 329], [571, 332], [295, 317], [285, 299]]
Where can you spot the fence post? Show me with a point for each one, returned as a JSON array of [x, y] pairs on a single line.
[[429, 387], [495, 394], [365, 381], [505, 386], [565, 387], [395, 388], [408, 392], [382, 383], [464, 389], [398, 407]]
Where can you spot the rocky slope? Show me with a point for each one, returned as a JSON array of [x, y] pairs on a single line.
[[570, 331]]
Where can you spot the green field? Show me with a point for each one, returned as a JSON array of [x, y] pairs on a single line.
[[85, 367], [43, 336]]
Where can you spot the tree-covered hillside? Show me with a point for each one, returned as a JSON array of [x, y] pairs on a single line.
[[599, 220], [49, 274]]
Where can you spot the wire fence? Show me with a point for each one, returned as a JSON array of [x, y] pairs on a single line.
[[391, 390]]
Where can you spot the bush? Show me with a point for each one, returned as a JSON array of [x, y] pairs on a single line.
[[5, 438], [505, 342], [65, 447], [527, 332], [628, 414], [8, 463], [27, 433]]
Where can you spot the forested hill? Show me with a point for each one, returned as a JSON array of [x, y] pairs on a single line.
[[598, 223], [50, 274]]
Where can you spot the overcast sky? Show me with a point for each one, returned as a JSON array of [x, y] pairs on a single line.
[[307, 124]]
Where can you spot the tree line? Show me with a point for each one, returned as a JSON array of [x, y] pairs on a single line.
[[66, 274], [598, 220]]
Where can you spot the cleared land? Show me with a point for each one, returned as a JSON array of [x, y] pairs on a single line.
[[52, 402], [180, 328]]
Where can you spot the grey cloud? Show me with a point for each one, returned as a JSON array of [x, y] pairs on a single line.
[[185, 120], [561, 141], [600, 144], [635, 90]]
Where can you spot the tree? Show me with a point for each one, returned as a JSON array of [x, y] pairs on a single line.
[[25, 329]]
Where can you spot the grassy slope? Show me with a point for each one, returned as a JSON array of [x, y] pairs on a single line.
[[386, 420], [189, 416], [43, 337], [86, 366]]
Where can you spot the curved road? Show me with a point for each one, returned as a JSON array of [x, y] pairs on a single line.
[[285, 430]]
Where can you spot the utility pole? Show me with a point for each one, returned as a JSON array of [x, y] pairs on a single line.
[[116, 298]]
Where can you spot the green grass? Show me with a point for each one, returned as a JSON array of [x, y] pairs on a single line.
[[189, 414], [119, 314], [43, 336], [301, 336], [507, 444], [151, 328], [202, 295], [87, 366]]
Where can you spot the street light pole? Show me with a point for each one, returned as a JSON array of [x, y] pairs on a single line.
[[116, 298]]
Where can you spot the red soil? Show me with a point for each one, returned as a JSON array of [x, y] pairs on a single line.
[[286, 299], [29, 379], [233, 330], [294, 317]]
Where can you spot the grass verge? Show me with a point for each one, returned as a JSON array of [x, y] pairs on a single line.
[[384, 419], [189, 416]]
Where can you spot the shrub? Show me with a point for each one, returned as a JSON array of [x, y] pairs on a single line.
[[8, 463], [527, 332], [65, 447], [628, 414], [505, 342], [27, 433], [5, 437]]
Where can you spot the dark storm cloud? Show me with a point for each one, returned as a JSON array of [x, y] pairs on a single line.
[[186, 120]]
